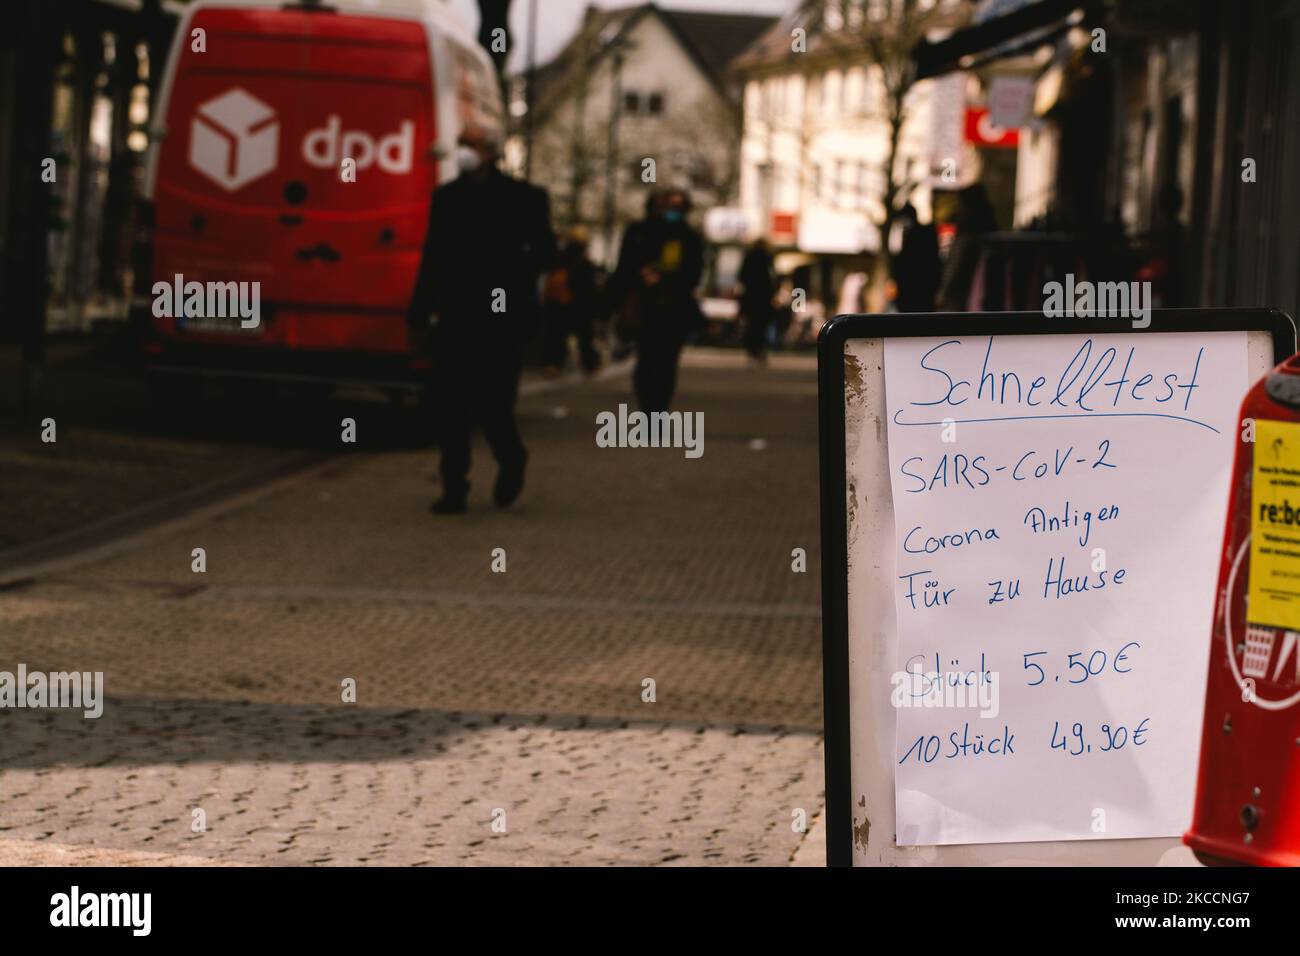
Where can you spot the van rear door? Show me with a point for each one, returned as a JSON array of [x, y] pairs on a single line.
[[298, 153]]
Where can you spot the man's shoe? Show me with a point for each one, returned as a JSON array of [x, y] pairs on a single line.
[[510, 483], [449, 505]]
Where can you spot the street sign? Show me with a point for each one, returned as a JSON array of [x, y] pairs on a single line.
[[981, 130], [724, 224], [1021, 525], [1011, 101]]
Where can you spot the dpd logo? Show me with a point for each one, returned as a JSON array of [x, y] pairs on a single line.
[[327, 146], [234, 139]]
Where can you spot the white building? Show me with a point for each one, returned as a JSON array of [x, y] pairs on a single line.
[[641, 97], [816, 141]]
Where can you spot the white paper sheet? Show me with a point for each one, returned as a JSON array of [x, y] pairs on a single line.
[[1038, 465]]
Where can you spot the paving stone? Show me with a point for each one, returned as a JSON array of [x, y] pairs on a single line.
[[476, 691]]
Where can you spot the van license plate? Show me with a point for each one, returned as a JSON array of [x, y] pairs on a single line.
[[216, 325]]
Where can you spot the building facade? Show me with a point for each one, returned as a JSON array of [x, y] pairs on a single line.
[[818, 142], [1163, 136], [640, 98], [77, 78]]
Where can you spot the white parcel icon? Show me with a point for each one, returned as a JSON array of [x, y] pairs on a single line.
[[234, 139]]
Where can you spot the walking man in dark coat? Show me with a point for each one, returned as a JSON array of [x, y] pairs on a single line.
[[475, 305]]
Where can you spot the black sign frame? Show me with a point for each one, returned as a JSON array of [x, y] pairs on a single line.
[[834, 515]]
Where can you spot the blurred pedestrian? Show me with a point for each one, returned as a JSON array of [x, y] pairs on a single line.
[[915, 268], [959, 291], [1171, 244], [782, 311], [569, 306], [853, 294], [756, 294], [653, 292], [489, 238]]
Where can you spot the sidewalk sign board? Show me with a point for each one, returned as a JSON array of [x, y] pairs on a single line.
[[1021, 525]]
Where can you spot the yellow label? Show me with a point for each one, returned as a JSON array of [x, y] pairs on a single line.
[[1274, 596], [670, 256]]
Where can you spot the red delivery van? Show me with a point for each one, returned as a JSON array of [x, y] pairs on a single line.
[[288, 184]]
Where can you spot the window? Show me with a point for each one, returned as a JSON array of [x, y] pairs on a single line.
[[831, 92], [871, 183], [854, 80], [476, 87], [643, 104], [873, 92]]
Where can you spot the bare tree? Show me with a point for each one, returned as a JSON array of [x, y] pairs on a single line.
[[879, 34], [695, 144], [568, 145]]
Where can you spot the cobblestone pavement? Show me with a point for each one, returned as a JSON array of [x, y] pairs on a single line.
[[309, 785], [476, 692]]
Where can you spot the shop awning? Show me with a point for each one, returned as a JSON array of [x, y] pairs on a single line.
[[1024, 22]]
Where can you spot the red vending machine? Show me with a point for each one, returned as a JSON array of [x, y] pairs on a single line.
[[1248, 785]]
